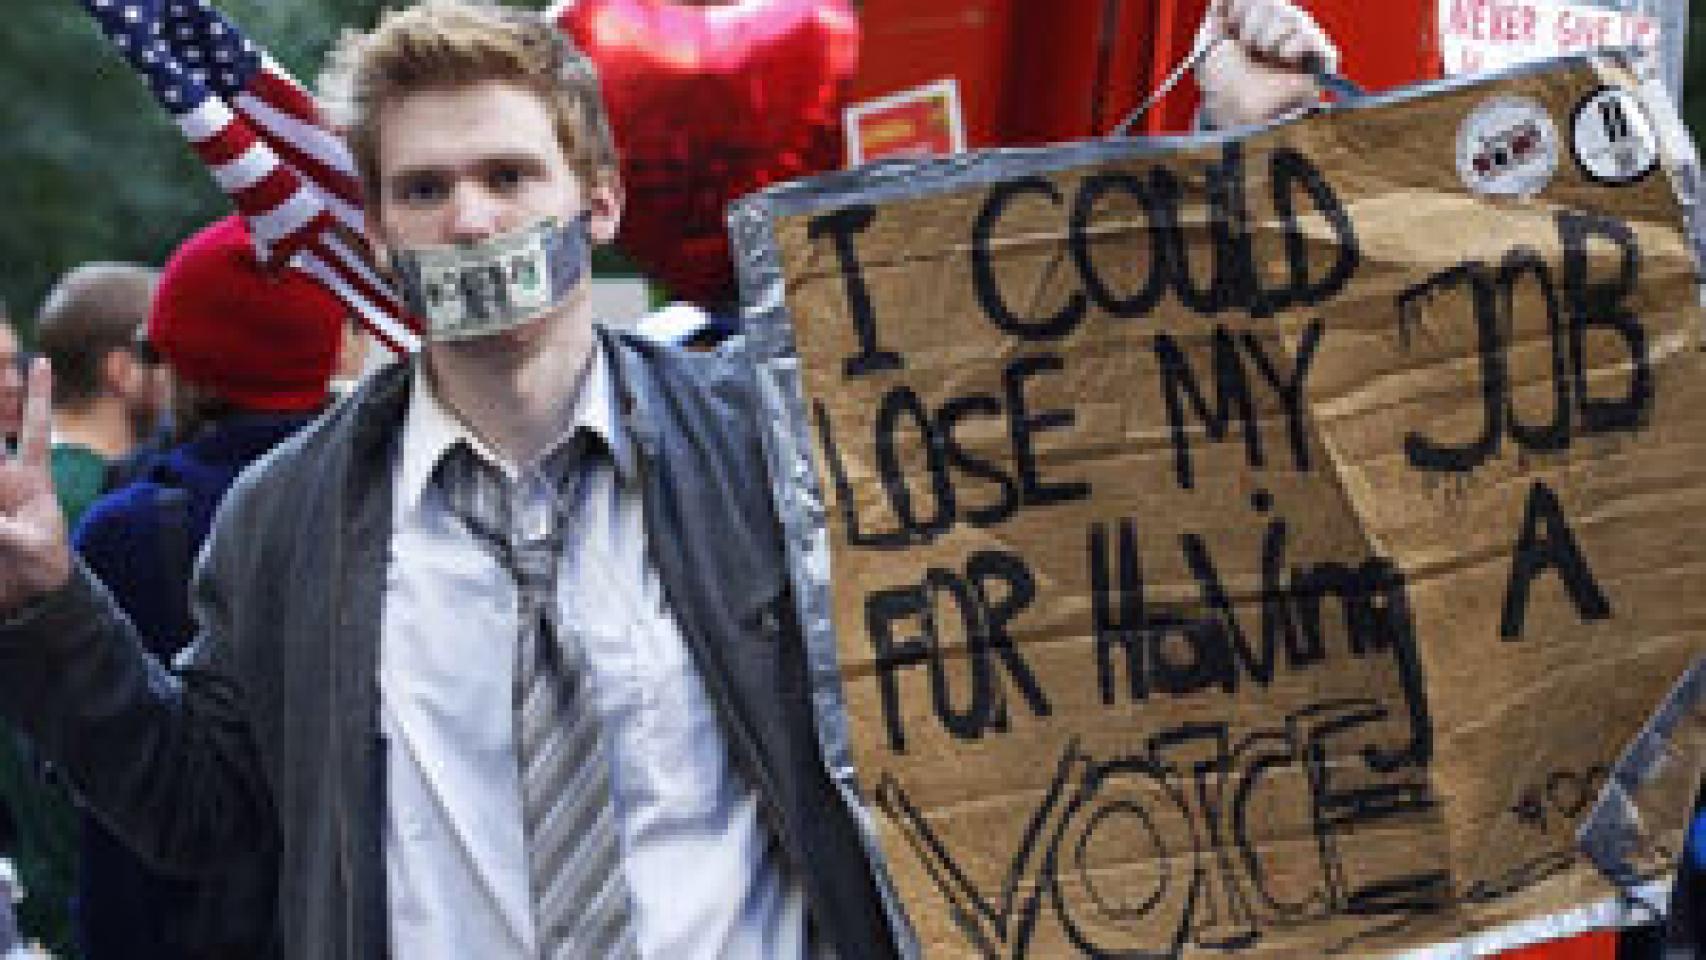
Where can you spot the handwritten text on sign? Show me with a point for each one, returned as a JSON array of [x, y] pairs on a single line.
[[1478, 35], [1232, 545]]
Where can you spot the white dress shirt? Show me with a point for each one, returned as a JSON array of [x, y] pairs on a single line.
[[705, 872]]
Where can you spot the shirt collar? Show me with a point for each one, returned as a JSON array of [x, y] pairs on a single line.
[[431, 429], [595, 410]]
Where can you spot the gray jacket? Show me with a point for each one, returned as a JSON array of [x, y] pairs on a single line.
[[266, 736]]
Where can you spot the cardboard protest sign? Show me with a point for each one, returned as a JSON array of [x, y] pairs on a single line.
[[1253, 546]]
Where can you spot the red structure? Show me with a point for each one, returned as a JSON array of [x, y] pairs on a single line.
[[1033, 73]]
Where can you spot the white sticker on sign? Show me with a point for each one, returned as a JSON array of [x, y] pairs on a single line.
[[1507, 147], [1478, 35], [1611, 138]]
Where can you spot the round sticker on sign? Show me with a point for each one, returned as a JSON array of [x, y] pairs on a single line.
[[1507, 147], [1612, 139]]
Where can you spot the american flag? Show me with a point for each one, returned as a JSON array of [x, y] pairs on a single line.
[[260, 134]]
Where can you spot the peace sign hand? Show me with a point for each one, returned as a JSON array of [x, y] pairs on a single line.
[[35, 556]]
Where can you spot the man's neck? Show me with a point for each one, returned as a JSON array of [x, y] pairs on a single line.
[[515, 390], [103, 425]]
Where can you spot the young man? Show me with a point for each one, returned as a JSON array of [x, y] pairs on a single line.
[[107, 395], [497, 658]]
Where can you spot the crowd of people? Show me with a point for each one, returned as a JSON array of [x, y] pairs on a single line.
[[378, 675], [166, 385]]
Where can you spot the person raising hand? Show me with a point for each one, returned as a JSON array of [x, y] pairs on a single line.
[[35, 553]]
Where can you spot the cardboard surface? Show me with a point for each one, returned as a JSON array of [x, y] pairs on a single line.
[[1261, 549]]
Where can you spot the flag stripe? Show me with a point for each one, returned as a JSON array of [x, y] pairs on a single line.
[[278, 187], [334, 185], [262, 138], [229, 143], [315, 145], [269, 227], [380, 322], [359, 267], [245, 171], [275, 85], [348, 214], [359, 280], [207, 119]]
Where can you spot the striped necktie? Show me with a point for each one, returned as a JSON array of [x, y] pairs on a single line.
[[581, 906]]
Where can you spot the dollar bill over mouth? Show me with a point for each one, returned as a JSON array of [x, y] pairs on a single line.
[[478, 289]]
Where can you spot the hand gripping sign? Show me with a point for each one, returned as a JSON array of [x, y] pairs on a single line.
[[1256, 545]]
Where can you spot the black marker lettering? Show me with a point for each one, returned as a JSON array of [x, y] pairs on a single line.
[[1547, 543], [842, 226]]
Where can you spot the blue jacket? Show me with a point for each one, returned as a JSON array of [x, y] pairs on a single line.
[[137, 548], [142, 540]]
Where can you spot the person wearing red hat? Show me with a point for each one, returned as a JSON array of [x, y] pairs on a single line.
[[250, 354], [236, 336]]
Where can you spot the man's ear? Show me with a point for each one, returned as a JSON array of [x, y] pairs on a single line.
[[604, 207], [120, 371]]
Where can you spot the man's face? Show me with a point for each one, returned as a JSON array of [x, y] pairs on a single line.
[[11, 382], [470, 163]]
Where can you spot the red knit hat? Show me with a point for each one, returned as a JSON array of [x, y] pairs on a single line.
[[261, 340]]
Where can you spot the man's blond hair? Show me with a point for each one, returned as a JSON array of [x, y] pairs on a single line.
[[448, 44]]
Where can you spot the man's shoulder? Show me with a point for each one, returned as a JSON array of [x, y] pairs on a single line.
[[301, 453], [682, 377], [297, 468], [124, 509], [674, 359], [701, 413], [78, 475]]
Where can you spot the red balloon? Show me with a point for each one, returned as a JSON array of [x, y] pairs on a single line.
[[710, 103]]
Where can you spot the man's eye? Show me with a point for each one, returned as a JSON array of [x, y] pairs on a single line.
[[505, 178], [418, 190]]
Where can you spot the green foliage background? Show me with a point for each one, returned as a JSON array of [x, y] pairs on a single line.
[[91, 169]]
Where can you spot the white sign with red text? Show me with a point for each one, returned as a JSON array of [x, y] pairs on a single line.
[[1477, 35]]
